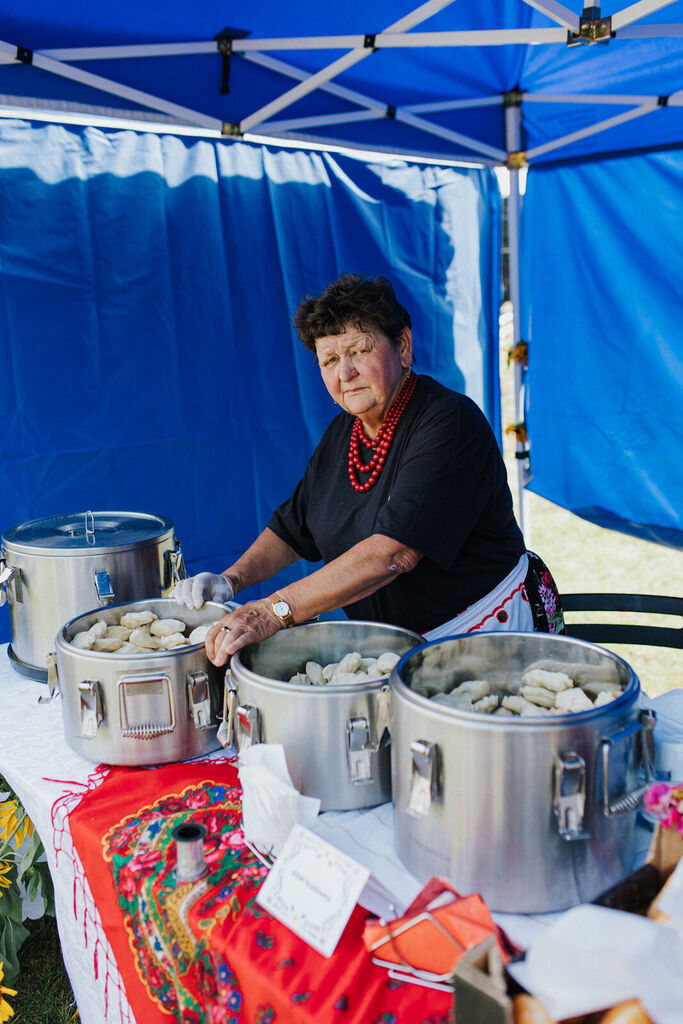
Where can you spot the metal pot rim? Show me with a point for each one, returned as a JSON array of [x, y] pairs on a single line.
[[524, 721], [320, 691], [164, 526], [65, 647]]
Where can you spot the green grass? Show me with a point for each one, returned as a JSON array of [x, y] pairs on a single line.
[[44, 994]]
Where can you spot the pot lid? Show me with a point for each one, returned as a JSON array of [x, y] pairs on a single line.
[[87, 531]]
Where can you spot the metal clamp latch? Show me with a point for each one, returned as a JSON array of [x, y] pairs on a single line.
[[358, 750], [103, 588], [423, 777], [90, 707], [248, 726], [174, 567], [52, 679], [7, 575], [569, 795], [642, 732], [199, 699]]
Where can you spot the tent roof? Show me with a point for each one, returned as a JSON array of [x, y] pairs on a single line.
[[434, 80]]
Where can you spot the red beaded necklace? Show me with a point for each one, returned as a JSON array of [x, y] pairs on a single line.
[[381, 443]]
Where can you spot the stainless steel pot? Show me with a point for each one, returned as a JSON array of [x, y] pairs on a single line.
[[335, 738], [55, 568], [536, 814], [138, 709]]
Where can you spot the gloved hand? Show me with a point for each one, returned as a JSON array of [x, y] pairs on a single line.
[[205, 586]]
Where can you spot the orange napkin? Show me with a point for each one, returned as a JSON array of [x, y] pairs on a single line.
[[418, 936]]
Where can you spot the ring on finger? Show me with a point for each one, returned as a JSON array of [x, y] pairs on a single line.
[[225, 629]]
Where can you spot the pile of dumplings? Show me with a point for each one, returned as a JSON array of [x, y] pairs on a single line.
[[352, 668], [543, 689], [138, 633]]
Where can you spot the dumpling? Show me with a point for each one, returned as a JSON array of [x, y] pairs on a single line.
[[475, 689], [198, 634], [164, 627], [123, 632], [555, 681], [386, 662], [573, 701], [350, 662], [107, 643], [314, 671], [83, 640], [135, 619], [171, 640], [141, 638], [540, 696]]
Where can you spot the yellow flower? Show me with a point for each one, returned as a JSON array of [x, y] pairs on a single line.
[[6, 1010], [9, 822], [5, 868], [8, 818]]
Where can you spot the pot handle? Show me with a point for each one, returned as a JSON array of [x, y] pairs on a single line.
[[174, 566], [53, 689], [424, 779], [8, 573], [226, 729], [642, 731], [248, 731]]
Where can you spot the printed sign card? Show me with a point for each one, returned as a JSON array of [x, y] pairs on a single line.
[[312, 889]]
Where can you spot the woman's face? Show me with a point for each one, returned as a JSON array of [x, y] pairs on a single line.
[[363, 371]]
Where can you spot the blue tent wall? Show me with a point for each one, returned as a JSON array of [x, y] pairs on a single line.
[[147, 285], [603, 308]]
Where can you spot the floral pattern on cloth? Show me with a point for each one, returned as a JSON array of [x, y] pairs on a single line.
[[205, 952], [543, 597], [142, 857]]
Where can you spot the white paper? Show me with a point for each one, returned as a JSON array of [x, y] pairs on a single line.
[[313, 888], [593, 958], [271, 805]]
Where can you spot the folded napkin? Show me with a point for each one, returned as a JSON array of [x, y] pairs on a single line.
[[271, 805]]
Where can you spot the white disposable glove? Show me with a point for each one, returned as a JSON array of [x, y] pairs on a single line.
[[205, 586]]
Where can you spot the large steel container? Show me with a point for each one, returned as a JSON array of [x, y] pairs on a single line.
[[535, 813], [335, 738], [55, 568], [139, 709]]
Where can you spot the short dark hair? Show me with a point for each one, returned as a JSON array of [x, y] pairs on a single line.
[[352, 301]]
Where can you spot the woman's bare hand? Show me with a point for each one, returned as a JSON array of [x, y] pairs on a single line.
[[249, 624]]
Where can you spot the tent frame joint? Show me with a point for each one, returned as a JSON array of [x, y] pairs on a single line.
[[592, 29], [369, 41], [519, 353], [24, 55], [662, 101], [515, 161], [513, 98], [232, 129]]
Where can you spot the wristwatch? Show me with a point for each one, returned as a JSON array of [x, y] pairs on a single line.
[[282, 611]]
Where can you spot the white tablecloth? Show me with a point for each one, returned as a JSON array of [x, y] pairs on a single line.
[[47, 776]]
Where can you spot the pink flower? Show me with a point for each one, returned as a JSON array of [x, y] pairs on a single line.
[[145, 862], [200, 798]]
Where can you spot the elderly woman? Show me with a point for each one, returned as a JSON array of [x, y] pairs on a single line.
[[405, 499]]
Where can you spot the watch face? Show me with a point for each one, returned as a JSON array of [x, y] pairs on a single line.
[[281, 608]]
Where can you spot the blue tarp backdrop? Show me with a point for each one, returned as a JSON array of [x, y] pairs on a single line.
[[147, 288], [601, 280]]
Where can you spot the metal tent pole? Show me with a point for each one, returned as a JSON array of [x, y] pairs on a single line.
[[513, 136]]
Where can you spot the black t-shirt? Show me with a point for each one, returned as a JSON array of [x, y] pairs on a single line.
[[443, 491]]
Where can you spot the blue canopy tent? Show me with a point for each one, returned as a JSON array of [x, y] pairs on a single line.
[[589, 101]]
